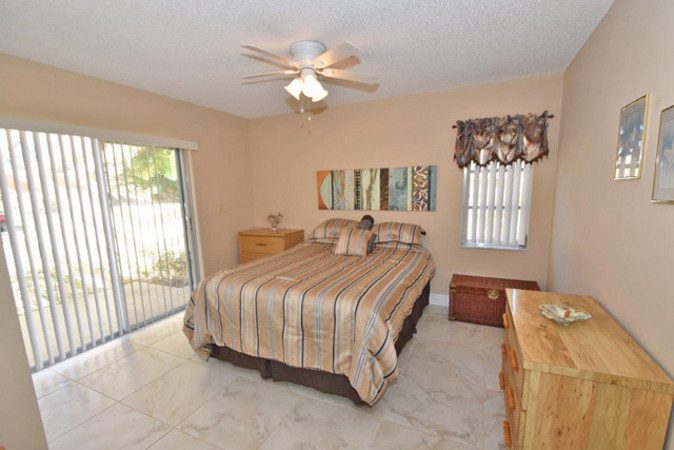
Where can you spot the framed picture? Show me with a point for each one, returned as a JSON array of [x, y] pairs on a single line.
[[631, 138], [663, 182]]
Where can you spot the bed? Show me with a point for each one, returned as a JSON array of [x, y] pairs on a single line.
[[332, 322]]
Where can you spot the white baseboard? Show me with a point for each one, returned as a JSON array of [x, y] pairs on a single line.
[[439, 300]]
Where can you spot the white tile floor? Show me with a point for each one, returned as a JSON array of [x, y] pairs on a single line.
[[148, 390]]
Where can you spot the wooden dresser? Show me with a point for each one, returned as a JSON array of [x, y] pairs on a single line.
[[254, 244], [585, 386]]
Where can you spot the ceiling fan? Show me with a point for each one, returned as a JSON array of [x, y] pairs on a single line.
[[311, 60]]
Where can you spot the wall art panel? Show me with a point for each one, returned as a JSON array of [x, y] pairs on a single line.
[[393, 189]]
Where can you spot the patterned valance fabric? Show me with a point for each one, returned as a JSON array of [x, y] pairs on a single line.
[[503, 139]]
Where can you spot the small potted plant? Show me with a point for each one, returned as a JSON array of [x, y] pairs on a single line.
[[274, 220]]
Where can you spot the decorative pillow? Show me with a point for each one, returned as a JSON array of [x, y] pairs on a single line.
[[404, 233], [366, 223], [353, 242], [328, 231]]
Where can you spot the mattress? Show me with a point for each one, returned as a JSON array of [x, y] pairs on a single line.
[[309, 308]]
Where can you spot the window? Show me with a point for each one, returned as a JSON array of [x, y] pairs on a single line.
[[496, 204], [98, 237]]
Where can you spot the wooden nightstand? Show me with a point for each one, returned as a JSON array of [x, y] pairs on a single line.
[[254, 244]]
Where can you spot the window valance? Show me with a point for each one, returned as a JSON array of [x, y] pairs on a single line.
[[503, 139]]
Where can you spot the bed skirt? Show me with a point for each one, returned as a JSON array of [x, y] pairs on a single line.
[[327, 382]]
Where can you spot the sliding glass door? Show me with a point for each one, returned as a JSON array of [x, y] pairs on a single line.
[[98, 238], [148, 218]]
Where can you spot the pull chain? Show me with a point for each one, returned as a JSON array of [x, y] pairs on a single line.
[[305, 112]]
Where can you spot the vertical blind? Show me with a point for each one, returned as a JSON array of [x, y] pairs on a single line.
[[496, 204], [98, 237]]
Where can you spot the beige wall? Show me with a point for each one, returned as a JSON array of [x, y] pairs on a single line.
[[609, 240], [20, 423], [221, 185], [221, 167], [404, 131]]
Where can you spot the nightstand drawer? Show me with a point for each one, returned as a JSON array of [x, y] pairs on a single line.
[[254, 244], [262, 244], [250, 256]]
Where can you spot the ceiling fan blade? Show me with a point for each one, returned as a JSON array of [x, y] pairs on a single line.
[[284, 60], [351, 76], [273, 74], [334, 55]]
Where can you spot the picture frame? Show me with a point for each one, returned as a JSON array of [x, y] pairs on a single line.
[[663, 180], [631, 139]]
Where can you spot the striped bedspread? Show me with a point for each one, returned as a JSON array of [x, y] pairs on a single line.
[[309, 308]]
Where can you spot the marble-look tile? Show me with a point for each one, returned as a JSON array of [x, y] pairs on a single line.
[[449, 360], [491, 373], [157, 331], [408, 349], [392, 436], [494, 415], [243, 415], [430, 401], [177, 394], [175, 344], [492, 335], [491, 378], [131, 373], [178, 440], [239, 371], [95, 359], [47, 381], [436, 310], [115, 428], [491, 356], [337, 400], [440, 329], [68, 407], [447, 395], [313, 424]]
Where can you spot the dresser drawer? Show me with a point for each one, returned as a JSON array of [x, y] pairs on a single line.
[[262, 244], [512, 395], [514, 353], [512, 414]]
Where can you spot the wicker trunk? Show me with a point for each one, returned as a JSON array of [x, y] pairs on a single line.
[[482, 299]]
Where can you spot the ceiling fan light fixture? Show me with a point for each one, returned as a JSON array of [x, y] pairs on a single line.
[[320, 95], [311, 86], [309, 60], [294, 88]]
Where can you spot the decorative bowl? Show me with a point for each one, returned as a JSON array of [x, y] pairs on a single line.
[[564, 315]]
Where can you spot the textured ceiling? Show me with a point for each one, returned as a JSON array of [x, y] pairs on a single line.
[[189, 49]]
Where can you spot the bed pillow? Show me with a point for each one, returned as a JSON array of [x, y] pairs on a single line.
[[396, 232], [328, 231], [354, 242], [366, 223]]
